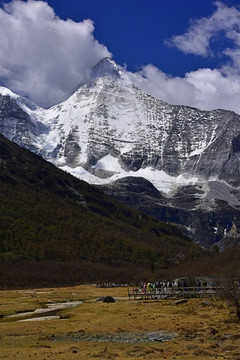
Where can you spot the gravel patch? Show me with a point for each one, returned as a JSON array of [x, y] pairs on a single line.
[[133, 338]]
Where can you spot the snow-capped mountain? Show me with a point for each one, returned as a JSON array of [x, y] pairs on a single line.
[[109, 129], [18, 122], [109, 126]]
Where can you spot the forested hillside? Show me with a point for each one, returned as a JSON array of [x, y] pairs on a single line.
[[48, 214]]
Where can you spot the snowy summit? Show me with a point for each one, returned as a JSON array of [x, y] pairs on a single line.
[[108, 129]]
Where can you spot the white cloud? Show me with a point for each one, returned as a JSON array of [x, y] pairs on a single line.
[[164, 87], [214, 90], [42, 56], [46, 58], [207, 89], [197, 40]]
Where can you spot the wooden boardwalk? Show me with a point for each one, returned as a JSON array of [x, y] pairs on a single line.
[[169, 292]]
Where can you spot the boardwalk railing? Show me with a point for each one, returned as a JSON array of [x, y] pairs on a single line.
[[166, 292]]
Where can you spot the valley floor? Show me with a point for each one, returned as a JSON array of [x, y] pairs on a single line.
[[125, 329]]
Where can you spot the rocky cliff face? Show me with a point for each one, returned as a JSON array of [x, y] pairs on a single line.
[[109, 129], [110, 116], [18, 122], [207, 212], [15, 124]]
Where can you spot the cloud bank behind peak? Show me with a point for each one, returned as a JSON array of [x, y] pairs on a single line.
[[43, 57], [46, 58]]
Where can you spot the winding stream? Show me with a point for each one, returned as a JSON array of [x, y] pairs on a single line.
[[50, 308]]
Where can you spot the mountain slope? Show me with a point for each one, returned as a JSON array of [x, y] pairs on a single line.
[[17, 120], [109, 129], [48, 214], [207, 213], [109, 120]]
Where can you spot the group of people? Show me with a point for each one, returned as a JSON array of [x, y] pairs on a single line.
[[150, 286], [165, 284]]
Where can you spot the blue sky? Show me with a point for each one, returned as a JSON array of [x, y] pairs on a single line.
[[135, 31], [180, 51]]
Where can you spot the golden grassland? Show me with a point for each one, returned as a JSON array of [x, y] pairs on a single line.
[[204, 328]]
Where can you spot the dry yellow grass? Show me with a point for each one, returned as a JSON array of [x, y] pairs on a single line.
[[203, 331]]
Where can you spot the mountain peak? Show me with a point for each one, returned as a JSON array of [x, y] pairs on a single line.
[[6, 92], [106, 67]]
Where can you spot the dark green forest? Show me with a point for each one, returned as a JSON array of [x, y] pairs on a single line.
[[47, 214]]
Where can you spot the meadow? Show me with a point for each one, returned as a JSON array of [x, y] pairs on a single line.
[[126, 329]]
